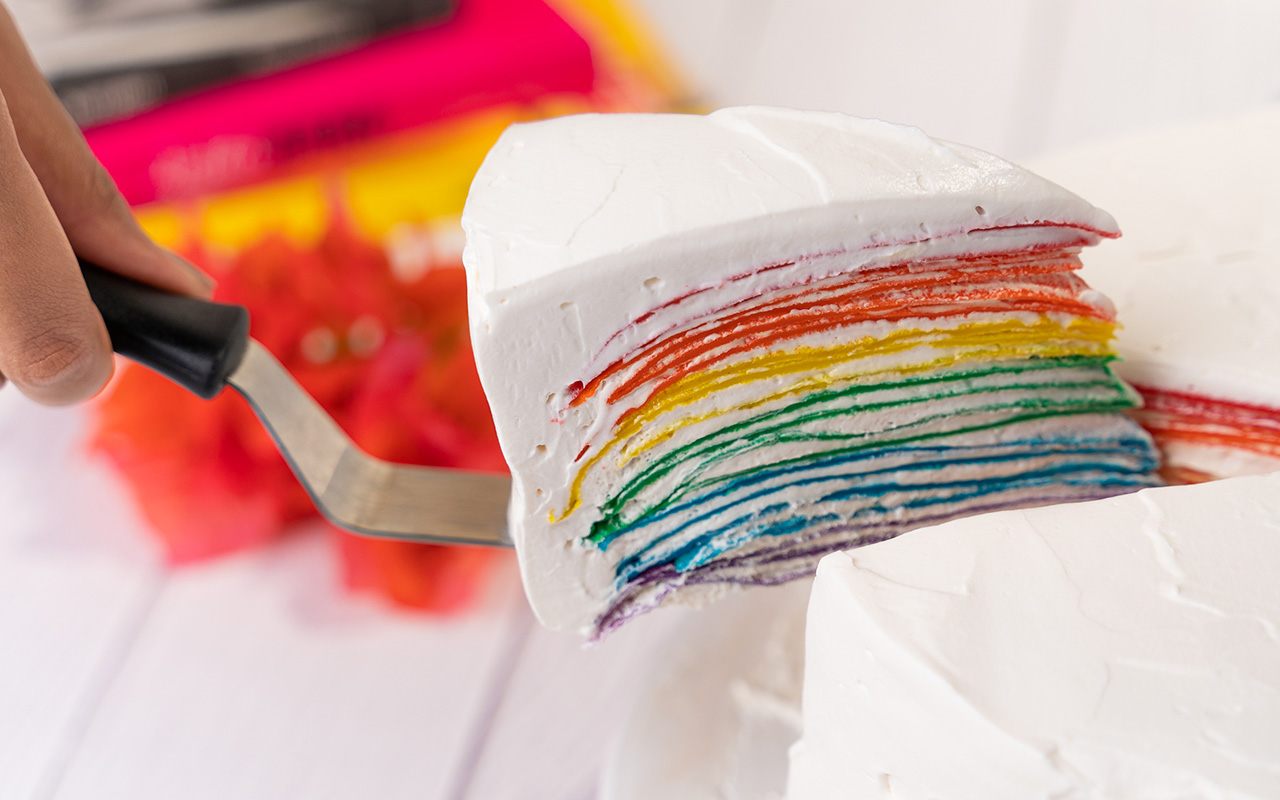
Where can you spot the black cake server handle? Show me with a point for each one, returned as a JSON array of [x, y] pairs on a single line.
[[195, 343]]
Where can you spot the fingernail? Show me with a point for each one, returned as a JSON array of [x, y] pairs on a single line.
[[205, 280]]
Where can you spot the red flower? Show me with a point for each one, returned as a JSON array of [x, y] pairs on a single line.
[[390, 359]]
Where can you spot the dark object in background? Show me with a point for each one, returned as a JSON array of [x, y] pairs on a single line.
[[387, 12], [123, 56]]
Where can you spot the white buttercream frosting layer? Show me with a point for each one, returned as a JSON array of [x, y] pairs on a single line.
[[617, 187], [1119, 649]]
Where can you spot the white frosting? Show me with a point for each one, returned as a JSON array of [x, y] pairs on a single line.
[[1124, 649], [1196, 277], [1217, 461], [572, 190], [578, 226]]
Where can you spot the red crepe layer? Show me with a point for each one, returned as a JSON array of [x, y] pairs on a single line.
[[1039, 282], [1194, 419]]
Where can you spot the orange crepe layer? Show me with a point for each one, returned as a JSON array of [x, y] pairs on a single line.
[[1175, 416]]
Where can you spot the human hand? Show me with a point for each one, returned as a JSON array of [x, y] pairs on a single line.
[[57, 202]]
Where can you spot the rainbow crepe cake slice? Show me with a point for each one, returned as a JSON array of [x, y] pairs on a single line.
[[1197, 282], [718, 347]]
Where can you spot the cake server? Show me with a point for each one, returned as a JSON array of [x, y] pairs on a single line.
[[205, 346]]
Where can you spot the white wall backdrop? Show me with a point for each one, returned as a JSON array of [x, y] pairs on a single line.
[[1017, 77]]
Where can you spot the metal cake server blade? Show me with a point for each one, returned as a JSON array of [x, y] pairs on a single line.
[[205, 346]]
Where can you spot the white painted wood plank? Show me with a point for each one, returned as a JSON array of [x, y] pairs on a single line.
[[1133, 64], [720, 705], [255, 677], [562, 710], [75, 577]]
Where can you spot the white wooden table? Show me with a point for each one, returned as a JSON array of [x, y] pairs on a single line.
[[256, 677]]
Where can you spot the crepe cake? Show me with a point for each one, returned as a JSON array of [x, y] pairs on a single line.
[[718, 347], [1197, 283], [1123, 648]]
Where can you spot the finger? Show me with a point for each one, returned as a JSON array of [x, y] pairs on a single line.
[[53, 345], [97, 220]]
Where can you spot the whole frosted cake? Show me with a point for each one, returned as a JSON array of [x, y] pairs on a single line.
[[1196, 279], [1124, 648], [717, 347]]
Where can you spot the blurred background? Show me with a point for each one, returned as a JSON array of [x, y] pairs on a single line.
[[1016, 77], [175, 621]]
